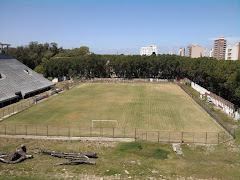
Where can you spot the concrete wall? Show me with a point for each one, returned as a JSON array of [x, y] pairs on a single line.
[[199, 88], [226, 106]]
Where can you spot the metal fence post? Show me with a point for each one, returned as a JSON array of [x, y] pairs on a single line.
[[169, 137], [26, 129], [135, 134], [193, 138], [69, 131], [206, 137], [182, 137], [113, 132]]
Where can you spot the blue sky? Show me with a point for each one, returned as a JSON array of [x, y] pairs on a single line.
[[119, 25]]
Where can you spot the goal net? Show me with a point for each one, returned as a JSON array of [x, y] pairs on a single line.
[[104, 123]]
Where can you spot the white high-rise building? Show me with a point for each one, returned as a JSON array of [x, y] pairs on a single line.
[[232, 52], [186, 52], [211, 53], [149, 50]]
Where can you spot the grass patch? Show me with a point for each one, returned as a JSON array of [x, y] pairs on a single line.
[[110, 172], [159, 154], [148, 150], [19, 178], [237, 133], [140, 159], [130, 147], [196, 93]]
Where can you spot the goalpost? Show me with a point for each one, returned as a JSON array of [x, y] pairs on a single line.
[[100, 121]]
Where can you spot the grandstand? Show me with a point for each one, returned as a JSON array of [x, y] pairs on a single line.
[[17, 81]]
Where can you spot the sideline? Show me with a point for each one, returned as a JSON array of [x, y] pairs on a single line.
[[99, 139]]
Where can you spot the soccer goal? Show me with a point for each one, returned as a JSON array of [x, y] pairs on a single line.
[[104, 123]]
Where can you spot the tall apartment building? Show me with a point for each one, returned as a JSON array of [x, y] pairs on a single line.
[[195, 51], [232, 52], [220, 48], [149, 50]]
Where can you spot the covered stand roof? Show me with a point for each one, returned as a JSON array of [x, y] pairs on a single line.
[[16, 77]]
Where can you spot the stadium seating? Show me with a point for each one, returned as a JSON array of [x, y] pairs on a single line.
[[17, 80]]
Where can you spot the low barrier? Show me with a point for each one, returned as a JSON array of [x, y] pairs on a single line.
[[113, 132]]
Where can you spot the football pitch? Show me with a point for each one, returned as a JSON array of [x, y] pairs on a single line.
[[160, 107]]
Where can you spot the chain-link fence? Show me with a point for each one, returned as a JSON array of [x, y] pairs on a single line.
[[213, 114], [138, 135], [15, 108]]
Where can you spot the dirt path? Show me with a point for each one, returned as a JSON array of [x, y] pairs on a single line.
[[103, 139]]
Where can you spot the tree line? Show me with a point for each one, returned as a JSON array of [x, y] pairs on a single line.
[[219, 77], [35, 53]]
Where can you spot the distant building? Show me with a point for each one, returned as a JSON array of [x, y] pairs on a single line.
[[211, 53], [149, 50], [232, 52], [195, 51], [220, 48], [186, 51], [170, 53], [206, 53], [180, 52]]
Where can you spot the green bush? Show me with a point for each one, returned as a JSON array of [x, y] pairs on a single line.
[[132, 146], [159, 154], [149, 150]]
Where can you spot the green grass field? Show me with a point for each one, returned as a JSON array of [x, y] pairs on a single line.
[[142, 106]]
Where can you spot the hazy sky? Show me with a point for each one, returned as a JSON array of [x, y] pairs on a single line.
[[119, 25]]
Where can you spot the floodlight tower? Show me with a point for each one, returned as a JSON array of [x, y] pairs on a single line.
[[3, 46]]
